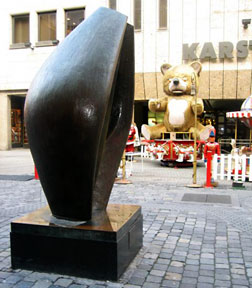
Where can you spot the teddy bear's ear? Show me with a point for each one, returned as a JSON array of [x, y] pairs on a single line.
[[165, 67], [197, 67]]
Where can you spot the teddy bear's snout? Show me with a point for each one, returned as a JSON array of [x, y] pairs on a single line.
[[176, 81]]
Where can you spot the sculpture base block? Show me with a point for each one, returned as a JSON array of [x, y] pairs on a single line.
[[99, 249]]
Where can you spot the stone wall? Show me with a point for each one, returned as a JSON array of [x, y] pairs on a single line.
[[5, 122], [223, 84], [188, 21]]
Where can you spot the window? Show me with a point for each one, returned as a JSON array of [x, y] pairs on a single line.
[[20, 29], [137, 14], [112, 4], [162, 14], [47, 26], [73, 18]]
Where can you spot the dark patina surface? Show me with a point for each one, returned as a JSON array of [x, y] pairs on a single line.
[[78, 113]]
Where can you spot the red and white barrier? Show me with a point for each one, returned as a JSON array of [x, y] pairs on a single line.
[[238, 168]]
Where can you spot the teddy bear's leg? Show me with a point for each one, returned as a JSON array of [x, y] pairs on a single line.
[[191, 130], [204, 132], [153, 132]]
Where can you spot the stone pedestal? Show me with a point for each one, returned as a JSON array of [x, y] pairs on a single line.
[[99, 249]]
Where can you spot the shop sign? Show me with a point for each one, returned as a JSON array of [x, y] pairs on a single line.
[[225, 50]]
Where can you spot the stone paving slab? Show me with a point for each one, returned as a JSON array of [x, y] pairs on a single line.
[[195, 197], [17, 161], [17, 177], [207, 198], [185, 244]]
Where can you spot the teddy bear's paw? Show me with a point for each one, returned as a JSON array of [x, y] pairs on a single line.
[[146, 132], [154, 105]]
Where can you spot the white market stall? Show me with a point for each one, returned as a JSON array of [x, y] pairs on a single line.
[[238, 164], [245, 115]]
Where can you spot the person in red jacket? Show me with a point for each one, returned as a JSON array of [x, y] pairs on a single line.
[[214, 148], [131, 139]]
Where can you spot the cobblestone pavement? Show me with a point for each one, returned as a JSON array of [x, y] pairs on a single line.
[[185, 244]]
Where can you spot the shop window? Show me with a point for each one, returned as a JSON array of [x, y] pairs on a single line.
[[162, 14], [20, 31], [73, 18], [18, 130], [137, 14], [221, 125], [47, 26], [16, 126], [155, 118], [112, 4]]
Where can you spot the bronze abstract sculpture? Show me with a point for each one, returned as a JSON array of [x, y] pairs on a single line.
[[78, 113]]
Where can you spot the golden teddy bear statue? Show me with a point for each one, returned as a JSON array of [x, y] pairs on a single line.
[[180, 83]]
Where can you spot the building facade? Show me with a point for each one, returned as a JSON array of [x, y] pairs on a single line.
[[217, 33]]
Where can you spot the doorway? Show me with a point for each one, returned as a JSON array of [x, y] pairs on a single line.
[[18, 131], [140, 114]]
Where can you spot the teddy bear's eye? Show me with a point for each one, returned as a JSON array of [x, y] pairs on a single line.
[[185, 79]]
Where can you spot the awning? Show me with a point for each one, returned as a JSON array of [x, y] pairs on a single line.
[[244, 116], [239, 114]]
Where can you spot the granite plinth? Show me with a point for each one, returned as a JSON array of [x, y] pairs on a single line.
[[99, 249]]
